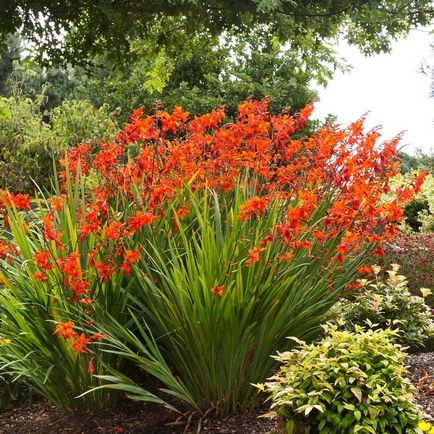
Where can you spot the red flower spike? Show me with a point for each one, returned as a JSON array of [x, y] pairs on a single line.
[[91, 367]]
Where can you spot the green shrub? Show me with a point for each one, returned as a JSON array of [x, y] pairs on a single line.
[[345, 383], [419, 213], [412, 211], [24, 144], [30, 141], [389, 303], [76, 121]]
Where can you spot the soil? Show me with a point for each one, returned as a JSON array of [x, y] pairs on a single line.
[[421, 369], [128, 418], [141, 418]]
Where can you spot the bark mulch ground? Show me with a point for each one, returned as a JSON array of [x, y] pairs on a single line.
[[128, 418], [140, 418], [421, 367]]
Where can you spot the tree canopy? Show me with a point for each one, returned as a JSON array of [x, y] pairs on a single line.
[[74, 31], [206, 74]]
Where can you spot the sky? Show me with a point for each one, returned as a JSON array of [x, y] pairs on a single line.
[[391, 87]]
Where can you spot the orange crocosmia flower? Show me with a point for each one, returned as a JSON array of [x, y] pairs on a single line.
[[98, 336], [88, 228], [379, 251], [365, 269], [266, 240], [132, 256], [113, 230], [92, 222], [5, 250], [104, 270], [125, 267], [42, 260], [319, 235], [253, 208], [40, 276], [86, 301], [168, 123], [254, 255], [287, 256], [106, 159], [80, 343], [179, 114], [79, 287], [139, 220], [218, 290], [354, 285], [65, 329], [183, 212], [90, 367], [50, 232], [21, 201], [57, 202], [71, 266]]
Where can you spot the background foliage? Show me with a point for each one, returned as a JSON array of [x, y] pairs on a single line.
[[31, 141], [92, 28], [387, 303]]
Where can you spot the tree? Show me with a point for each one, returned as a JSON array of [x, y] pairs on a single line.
[[74, 31], [408, 162], [11, 55], [426, 159], [208, 73], [19, 74]]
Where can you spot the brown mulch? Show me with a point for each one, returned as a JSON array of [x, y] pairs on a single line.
[[421, 370], [128, 418], [141, 418]]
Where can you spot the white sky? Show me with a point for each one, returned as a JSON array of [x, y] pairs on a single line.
[[390, 87]]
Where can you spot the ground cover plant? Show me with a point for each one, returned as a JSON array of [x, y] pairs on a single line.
[[345, 383], [191, 248], [387, 302]]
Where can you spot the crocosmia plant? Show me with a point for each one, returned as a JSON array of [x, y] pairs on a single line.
[[193, 248]]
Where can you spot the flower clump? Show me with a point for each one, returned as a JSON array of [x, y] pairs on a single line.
[[141, 176], [220, 238]]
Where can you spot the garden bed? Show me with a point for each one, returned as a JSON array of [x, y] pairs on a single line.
[[141, 418], [129, 417]]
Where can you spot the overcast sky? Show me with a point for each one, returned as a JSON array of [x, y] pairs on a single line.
[[390, 87]]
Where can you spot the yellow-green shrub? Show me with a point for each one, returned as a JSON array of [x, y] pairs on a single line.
[[387, 302], [345, 383]]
